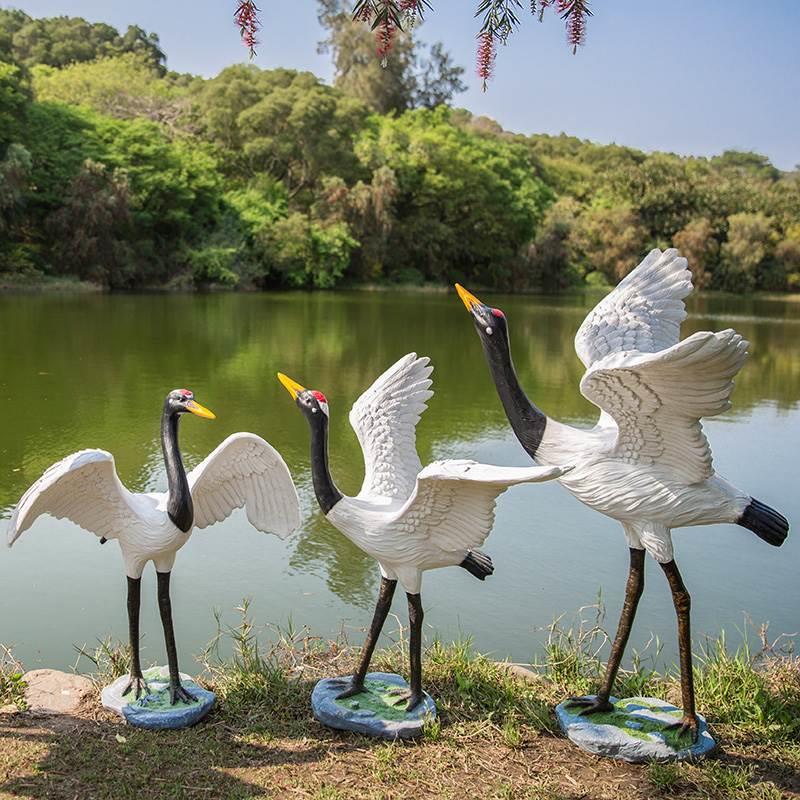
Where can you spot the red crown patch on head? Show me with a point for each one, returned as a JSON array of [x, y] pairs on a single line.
[[498, 313], [321, 397], [186, 393]]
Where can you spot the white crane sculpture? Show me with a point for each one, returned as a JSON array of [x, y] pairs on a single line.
[[409, 519], [647, 462], [84, 488]]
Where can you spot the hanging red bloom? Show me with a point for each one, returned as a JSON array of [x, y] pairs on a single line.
[[365, 13], [487, 50], [246, 17], [384, 38], [575, 13]]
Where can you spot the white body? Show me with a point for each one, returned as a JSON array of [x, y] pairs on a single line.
[[647, 462], [407, 518], [84, 488]]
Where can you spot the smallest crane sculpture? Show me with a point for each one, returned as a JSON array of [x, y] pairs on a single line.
[[409, 519], [84, 488], [647, 462]]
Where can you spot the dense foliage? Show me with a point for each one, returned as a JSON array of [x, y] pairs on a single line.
[[116, 171]]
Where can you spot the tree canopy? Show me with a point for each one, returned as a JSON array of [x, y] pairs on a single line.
[[116, 171]]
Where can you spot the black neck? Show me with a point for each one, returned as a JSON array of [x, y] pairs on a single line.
[[179, 503], [527, 421], [324, 487]]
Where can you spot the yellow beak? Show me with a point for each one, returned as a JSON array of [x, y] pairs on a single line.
[[200, 411], [293, 387], [469, 300]]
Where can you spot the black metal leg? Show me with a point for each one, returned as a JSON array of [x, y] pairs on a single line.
[[633, 593], [176, 691], [415, 617], [137, 682], [683, 606], [378, 619]]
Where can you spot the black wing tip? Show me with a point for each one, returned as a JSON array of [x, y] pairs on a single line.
[[765, 522], [478, 564]]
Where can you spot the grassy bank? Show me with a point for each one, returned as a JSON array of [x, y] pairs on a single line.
[[496, 737], [36, 284], [42, 284]]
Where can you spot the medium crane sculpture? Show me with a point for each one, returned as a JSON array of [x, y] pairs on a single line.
[[409, 519]]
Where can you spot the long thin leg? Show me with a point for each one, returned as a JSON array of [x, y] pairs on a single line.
[[683, 606], [633, 593], [137, 681], [176, 691], [378, 619], [415, 616]]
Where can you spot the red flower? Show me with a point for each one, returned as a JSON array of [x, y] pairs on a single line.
[[365, 14], [384, 38], [246, 17], [487, 50], [575, 12]]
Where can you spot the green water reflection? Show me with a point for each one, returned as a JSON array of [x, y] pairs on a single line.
[[92, 371]]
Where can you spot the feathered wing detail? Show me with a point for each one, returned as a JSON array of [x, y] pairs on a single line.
[[83, 488], [657, 399], [385, 419], [453, 505], [644, 312], [245, 471]]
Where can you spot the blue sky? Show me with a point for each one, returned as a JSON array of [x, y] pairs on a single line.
[[689, 76]]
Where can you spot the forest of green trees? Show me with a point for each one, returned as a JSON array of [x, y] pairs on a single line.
[[117, 171]]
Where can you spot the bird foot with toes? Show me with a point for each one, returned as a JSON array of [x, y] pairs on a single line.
[[352, 688], [688, 724], [178, 693], [590, 705], [137, 685], [399, 695]]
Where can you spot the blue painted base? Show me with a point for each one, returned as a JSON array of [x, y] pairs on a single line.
[[154, 711], [375, 712], [635, 731]]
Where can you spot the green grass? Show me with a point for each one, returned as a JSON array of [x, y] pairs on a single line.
[[12, 686], [749, 694], [495, 735]]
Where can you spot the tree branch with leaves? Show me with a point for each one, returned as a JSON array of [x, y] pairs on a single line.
[[499, 19]]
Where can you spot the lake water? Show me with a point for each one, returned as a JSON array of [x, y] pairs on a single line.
[[92, 371]]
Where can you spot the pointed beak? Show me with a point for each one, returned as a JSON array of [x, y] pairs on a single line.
[[293, 387], [469, 300], [200, 411]]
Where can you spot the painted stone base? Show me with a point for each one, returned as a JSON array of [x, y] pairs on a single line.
[[153, 710], [634, 731], [372, 712]]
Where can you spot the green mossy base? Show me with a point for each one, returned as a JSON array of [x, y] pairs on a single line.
[[373, 712], [638, 729]]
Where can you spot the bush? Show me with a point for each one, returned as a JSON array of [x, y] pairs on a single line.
[[747, 255], [303, 253], [213, 265]]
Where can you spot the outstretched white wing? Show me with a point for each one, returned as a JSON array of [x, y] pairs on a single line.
[[643, 313], [245, 471], [452, 508], [657, 399], [384, 419], [83, 488]]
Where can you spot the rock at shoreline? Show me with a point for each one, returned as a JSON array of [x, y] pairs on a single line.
[[50, 691], [634, 731], [374, 712], [154, 711]]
